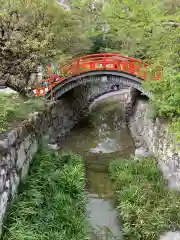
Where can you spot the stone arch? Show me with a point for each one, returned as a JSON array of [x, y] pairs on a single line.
[[119, 78]]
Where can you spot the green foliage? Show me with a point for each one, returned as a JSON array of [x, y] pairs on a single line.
[[13, 109], [140, 29], [144, 29], [146, 205], [34, 33], [174, 128], [52, 204], [166, 93]]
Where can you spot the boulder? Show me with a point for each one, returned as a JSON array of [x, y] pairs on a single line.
[[53, 147], [171, 236], [142, 152]]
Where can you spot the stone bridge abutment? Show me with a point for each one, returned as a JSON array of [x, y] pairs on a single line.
[[153, 134]]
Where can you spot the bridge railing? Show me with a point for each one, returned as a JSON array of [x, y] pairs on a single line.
[[108, 61], [101, 62]]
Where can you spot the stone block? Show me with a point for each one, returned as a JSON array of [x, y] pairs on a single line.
[[3, 204], [142, 152], [22, 133], [66, 120], [24, 170], [21, 156], [4, 147], [55, 122], [27, 142], [3, 176], [32, 150], [13, 153], [169, 152], [14, 182], [38, 122], [12, 137], [7, 184], [60, 120], [6, 161], [174, 163]]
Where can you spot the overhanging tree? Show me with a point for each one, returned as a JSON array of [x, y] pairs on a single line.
[[35, 32]]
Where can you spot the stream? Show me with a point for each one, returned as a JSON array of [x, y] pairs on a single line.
[[100, 138]]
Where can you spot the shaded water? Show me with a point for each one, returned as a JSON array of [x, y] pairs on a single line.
[[99, 139]]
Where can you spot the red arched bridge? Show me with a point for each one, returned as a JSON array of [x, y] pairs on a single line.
[[126, 70]]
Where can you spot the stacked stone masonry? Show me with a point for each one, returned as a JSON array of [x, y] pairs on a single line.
[[18, 146], [154, 135]]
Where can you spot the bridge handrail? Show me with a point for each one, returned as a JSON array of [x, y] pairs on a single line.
[[103, 56], [107, 55], [90, 60], [102, 61]]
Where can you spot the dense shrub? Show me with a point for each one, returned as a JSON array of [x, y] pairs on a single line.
[[146, 205], [52, 203]]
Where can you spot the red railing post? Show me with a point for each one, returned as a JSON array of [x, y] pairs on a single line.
[[49, 70]]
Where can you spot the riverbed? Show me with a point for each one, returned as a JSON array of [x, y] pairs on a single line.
[[100, 138]]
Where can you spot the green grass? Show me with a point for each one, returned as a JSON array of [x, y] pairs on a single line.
[[52, 203], [145, 204], [14, 109]]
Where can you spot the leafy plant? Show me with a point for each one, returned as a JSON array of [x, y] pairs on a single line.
[[15, 109], [51, 204], [146, 205]]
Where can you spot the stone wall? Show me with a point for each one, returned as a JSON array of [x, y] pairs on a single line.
[[18, 147], [101, 86], [125, 97], [153, 135]]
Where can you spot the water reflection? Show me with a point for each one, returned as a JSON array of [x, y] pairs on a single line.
[[105, 224], [99, 139], [107, 146]]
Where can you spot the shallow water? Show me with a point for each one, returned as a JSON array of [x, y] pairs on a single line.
[[100, 138]]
